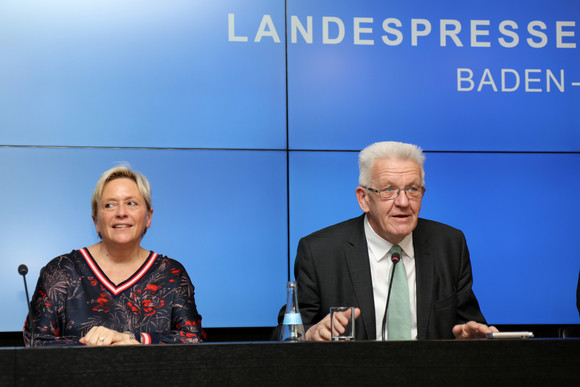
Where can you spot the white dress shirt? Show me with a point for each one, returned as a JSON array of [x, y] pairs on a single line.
[[380, 261]]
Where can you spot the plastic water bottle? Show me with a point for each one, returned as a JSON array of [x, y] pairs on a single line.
[[292, 328]]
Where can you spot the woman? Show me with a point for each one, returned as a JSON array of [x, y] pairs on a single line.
[[115, 292]]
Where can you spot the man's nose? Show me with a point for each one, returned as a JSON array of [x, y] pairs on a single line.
[[402, 200]]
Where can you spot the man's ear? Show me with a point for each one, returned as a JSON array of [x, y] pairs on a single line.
[[361, 197]]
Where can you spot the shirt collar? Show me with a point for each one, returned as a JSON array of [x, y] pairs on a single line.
[[380, 247]]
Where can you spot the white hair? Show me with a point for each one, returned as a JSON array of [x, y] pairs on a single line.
[[388, 150]]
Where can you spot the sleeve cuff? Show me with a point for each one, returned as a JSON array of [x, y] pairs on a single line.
[[145, 338]]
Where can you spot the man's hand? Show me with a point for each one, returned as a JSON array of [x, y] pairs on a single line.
[[472, 330], [321, 331]]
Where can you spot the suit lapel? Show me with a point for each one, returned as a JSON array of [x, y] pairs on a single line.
[[357, 261], [424, 269]]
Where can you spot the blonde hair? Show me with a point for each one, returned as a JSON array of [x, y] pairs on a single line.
[[121, 172]]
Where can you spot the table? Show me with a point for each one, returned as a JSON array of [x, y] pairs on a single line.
[[553, 362]]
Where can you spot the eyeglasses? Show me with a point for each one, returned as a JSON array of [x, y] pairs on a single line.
[[391, 193]]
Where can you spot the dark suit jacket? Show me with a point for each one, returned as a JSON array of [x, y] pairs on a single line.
[[332, 269]]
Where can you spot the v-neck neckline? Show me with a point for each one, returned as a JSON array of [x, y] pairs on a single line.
[[106, 282]]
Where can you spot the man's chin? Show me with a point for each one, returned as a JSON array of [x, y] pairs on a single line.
[[401, 231]]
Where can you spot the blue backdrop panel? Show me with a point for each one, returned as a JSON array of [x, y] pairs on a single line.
[[139, 74], [518, 212], [344, 92], [452, 76], [209, 214]]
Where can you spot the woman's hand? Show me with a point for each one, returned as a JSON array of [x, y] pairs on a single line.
[[101, 336]]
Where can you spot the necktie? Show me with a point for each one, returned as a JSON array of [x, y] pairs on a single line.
[[399, 312]]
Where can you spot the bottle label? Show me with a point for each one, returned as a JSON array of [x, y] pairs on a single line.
[[292, 319]]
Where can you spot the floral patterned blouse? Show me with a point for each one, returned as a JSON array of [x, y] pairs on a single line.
[[73, 295]]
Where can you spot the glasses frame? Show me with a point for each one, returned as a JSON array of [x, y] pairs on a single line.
[[406, 189]]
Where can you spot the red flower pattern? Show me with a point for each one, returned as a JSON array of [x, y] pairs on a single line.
[[144, 302], [103, 303], [161, 303]]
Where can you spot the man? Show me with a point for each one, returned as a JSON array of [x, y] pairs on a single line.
[[348, 264]]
